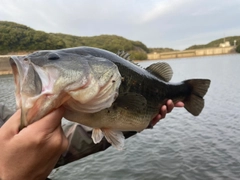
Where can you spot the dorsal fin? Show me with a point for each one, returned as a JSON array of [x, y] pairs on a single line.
[[162, 70], [126, 56], [123, 55]]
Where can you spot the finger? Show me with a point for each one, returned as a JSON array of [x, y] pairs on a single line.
[[64, 140], [11, 127], [179, 104], [57, 141], [155, 120], [170, 105], [65, 145], [48, 123], [163, 111], [161, 115]]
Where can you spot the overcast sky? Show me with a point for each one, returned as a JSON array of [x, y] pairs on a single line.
[[176, 24]]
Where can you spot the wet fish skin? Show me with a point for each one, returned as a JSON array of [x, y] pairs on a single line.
[[142, 92], [62, 80], [137, 80]]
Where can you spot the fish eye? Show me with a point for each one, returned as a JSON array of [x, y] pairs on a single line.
[[53, 56], [25, 59]]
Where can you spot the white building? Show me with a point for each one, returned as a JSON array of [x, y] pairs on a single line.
[[225, 44]]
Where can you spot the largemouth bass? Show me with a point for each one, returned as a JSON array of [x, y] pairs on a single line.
[[99, 89]]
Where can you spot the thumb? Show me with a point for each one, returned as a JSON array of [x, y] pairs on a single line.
[[50, 122]]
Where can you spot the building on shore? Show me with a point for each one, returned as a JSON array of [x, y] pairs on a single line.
[[192, 53], [225, 44]]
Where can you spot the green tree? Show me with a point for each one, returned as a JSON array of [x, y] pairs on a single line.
[[238, 49], [16, 37]]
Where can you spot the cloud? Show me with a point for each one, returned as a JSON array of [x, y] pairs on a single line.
[[163, 8], [157, 23]]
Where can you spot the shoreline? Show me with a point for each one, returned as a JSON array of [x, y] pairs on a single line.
[[179, 58], [7, 70], [192, 53], [5, 73]]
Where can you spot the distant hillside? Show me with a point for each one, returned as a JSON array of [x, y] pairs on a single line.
[[20, 38], [160, 50], [112, 43], [216, 43], [16, 38]]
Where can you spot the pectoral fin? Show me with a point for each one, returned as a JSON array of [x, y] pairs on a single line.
[[132, 101]]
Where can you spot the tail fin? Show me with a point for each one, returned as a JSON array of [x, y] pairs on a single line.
[[194, 103]]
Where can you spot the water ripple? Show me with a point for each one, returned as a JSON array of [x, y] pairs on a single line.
[[180, 147]]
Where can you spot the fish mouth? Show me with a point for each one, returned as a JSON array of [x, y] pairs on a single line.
[[19, 70], [33, 88], [28, 87]]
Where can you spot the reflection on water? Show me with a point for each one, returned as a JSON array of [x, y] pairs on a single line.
[[180, 146]]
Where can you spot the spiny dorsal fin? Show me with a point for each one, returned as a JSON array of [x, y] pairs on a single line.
[[124, 55], [162, 70]]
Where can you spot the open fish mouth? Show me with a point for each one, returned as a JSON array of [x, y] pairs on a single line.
[[19, 71], [28, 80]]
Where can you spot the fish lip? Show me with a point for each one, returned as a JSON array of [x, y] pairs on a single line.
[[17, 66], [20, 66], [19, 69]]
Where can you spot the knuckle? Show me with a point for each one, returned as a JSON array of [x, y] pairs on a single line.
[[56, 141], [65, 144]]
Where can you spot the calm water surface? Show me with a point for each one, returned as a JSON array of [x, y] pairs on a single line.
[[181, 146]]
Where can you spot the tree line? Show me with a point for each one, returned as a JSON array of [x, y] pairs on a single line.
[[217, 42], [20, 38]]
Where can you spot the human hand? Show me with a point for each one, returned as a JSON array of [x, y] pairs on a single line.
[[167, 108], [33, 152]]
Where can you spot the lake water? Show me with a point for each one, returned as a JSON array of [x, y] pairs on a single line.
[[181, 146]]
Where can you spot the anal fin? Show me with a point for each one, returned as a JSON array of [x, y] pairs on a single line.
[[115, 138]]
